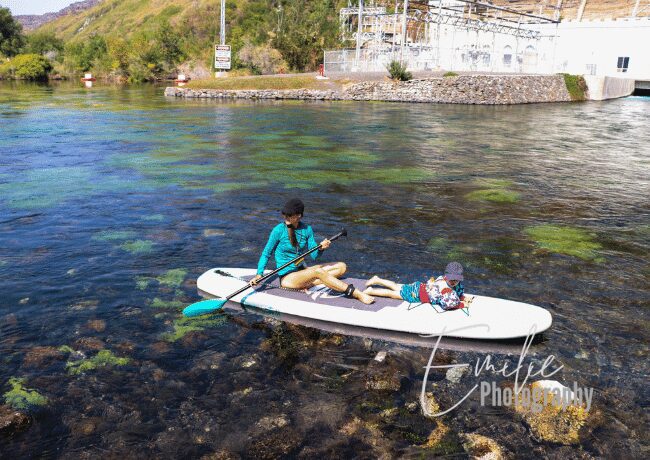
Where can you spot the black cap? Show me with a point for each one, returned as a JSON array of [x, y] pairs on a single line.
[[292, 207]]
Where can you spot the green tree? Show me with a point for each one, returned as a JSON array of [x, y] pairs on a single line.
[[43, 43], [82, 56], [306, 29], [31, 67], [11, 34], [169, 42]]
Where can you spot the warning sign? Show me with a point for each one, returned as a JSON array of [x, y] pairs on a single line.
[[222, 57]]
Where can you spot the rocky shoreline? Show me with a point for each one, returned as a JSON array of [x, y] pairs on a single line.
[[464, 89]]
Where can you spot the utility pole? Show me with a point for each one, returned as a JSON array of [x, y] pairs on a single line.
[[222, 53], [401, 56], [222, 28], [357, 55]]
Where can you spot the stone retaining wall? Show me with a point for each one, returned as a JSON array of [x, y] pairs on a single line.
[[465, 89]]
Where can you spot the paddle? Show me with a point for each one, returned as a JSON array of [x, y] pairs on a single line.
[[208, 306]]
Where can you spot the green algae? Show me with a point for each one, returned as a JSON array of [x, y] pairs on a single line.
[[154, 218], [494, 195], [438, 243], [183, 326], [173, 277], [494, 190], [138, 246], [142, 282], [565, 240], [46, 187], [167, 304], [102, 359], [65, 349], [21, 398], [114, 235]]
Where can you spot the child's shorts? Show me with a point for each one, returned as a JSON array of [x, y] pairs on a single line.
[[411, 292]]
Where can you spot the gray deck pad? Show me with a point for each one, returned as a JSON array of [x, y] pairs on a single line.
[[322, 295]]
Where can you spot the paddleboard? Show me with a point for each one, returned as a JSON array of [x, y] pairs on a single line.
[[485, 318]]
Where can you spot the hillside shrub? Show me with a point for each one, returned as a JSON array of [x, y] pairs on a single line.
[[262, 59], [450, 74], [27, 67], [398, 71]]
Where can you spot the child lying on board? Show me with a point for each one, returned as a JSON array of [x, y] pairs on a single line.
[[447, 290]]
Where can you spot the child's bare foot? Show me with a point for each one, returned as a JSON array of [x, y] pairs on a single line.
[[365, 298], [372, 280], [368, 291]]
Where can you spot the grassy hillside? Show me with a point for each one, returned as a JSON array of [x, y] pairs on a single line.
[[277, 35]]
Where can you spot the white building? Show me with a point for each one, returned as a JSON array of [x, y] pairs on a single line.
[[461, 35]]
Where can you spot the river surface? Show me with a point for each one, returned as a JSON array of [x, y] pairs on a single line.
[[114, 200]]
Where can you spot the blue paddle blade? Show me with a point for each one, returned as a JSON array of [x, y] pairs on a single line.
[[203, 307]]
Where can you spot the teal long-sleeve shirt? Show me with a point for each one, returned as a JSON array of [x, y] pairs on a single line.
[[284, 251]]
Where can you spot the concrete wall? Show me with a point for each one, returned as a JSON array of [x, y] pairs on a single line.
[[601, 88]]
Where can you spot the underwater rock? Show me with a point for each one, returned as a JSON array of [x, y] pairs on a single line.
[[89, 344], [278, 443], [481, 447], [437, 435], [160, 348], [212, 232], [42, 356], [430, 405], [97, 325], [12, 421], [269, 423], [10, 320], [85, 305], [221, 455], [383, 377], [551, 422], [367, 431], [21, 398], [454, 374], [208, 360]]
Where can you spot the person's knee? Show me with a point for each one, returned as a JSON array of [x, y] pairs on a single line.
[[341, 267]]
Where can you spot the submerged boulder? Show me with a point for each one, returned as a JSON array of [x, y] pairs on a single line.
[[12, 421], [551, 420], [481, 447]]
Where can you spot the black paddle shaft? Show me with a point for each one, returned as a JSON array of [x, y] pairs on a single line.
[[343, 232]]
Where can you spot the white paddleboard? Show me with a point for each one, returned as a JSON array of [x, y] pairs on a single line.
[[485, 318]]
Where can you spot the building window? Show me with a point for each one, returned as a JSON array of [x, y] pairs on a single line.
[[623, 64], [507, 56]]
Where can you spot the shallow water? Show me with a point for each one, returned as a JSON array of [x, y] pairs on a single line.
[[104, 191]]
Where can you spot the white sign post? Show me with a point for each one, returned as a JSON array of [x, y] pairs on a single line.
[[222, 57]]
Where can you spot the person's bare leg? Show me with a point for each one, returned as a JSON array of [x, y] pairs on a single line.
[[337, 270], [375, 280], [305, 278], [379, 292]]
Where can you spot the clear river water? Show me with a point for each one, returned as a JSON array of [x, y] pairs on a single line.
[[114, 200]]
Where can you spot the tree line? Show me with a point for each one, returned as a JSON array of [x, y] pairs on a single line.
[[267, 36]]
